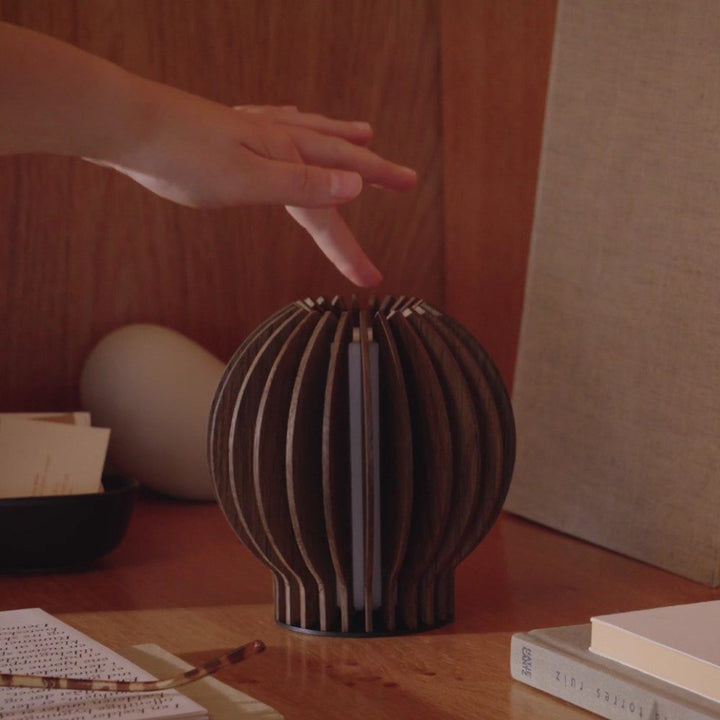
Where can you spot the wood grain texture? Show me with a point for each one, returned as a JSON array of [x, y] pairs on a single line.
[[370, 445], [433, 470], [467, 486], [290, 470], [304, 465], [269, 467], [84, 250], [223, 403], [336, 464], [238, 439], [495, 65], [501, 399], [523, 576], [494, 466], [396, 461], [159, 586]]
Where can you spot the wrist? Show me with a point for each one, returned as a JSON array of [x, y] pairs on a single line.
[[122, 119]]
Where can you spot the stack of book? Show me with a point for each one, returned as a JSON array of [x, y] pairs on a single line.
[[657, 664]]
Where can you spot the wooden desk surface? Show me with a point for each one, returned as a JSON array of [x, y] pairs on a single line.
[[180, 579]]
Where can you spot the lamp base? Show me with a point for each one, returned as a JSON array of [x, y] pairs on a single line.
[[359, 619]]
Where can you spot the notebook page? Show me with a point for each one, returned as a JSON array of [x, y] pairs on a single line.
[[32, 642]]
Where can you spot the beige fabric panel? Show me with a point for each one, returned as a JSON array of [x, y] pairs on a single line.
[[617, 386]]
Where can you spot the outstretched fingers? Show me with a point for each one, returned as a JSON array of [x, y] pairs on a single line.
[[280, 182], [310, 164], [357, 132], [314, 152], [329, 152]]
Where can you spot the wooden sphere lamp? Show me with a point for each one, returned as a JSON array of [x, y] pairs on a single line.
[[361, 453]]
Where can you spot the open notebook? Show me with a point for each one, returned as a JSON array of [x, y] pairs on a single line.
[[33, 642]]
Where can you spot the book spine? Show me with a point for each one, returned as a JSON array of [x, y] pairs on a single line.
[[590, 687]]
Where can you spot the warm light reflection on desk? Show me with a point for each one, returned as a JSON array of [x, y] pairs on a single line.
[[181, 579]]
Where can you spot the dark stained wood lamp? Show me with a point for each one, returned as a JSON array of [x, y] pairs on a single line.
[[361, 453]]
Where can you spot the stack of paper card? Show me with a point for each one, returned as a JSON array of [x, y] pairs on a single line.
[[50, 454]]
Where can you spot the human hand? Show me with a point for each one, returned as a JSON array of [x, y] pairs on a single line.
[[203, 154], [59, 99], [325, 225]]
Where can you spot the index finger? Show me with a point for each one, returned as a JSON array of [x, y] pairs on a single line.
[[332, 235]]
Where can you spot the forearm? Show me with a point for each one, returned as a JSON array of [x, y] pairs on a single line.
[[55, 98]]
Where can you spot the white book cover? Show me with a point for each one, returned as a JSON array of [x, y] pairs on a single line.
[[679, 643]]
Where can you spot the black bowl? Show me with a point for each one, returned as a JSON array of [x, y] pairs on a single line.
[[65, 531]]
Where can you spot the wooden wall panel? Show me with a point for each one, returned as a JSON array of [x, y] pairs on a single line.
[[495, 64], [84, 250]]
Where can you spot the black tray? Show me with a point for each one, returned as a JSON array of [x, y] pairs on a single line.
[[65, 531]]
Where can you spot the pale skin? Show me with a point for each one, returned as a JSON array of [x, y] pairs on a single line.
[[55, 98]]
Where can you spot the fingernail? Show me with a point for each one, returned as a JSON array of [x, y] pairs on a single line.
[[367, 277], [362, 126], [373, 278], [345, 185]]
